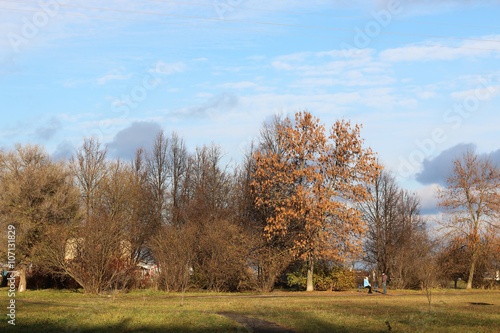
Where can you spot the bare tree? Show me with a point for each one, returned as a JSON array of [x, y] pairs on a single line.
[[219, 240], [381, 215], [471, 202], [143, 220], [101, 253], [427, 275], [158, 164], [177, 167], [412, 240], [114, 195], [395, 229], [454, 260], [173, 248], [89, 169], [95, 254], [36, 194]]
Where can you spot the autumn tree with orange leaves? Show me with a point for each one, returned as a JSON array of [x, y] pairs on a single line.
[[307, 186], [471, 202]]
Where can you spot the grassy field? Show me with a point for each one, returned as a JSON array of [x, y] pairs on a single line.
[[148, 311]]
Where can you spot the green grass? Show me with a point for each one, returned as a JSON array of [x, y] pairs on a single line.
[[153, 311]]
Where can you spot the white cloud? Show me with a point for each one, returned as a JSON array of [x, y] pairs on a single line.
[[385, 98], [482, 94], [444, 52], [107, 124], [73, 83], [204, 95], [168, 68], [257, 107], [299, 57], [257, 57], [76, 117], [349, 79], [280, 65], [428, 196], [316, 82], [355, 54], [360, 70], [238, 85], [112, 77], [427, 94]]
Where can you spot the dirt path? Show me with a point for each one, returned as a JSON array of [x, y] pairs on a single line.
[[256, 325], [54, 304]]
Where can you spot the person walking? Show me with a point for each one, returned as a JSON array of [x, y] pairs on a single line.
[[367, 284], [384, 282]]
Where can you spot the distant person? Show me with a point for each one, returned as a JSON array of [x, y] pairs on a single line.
[[367, 285], [384, 282]]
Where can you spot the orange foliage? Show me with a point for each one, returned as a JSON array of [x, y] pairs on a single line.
[[307, 188]]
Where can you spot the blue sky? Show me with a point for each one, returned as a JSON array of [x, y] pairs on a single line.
[[422, 77]]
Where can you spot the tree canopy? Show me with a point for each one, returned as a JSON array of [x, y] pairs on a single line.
[[307, 185]]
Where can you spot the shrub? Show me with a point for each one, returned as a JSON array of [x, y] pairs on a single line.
[[325, 277]]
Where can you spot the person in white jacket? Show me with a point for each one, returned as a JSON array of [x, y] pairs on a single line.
[[367, 285]]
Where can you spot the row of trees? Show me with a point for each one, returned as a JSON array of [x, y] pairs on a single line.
[[397, 241], [466, 236], [301, 194]]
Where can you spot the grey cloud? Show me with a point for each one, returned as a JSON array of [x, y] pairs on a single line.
[[139, 134], [49, 130], [437, 169], [429, 210], [220, 102], [64, 150], [495, 156]]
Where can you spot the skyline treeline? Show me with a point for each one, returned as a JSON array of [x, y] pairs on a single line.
[[303, 196]]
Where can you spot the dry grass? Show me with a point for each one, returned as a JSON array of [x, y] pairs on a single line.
[[147, 311]]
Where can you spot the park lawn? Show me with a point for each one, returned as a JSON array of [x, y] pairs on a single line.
[[149, 311]]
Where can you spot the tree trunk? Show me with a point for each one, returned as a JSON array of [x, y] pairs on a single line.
[[310, 273], [471, 271], [22, 279]]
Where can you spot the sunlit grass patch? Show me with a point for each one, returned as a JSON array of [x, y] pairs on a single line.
[[147, 311]]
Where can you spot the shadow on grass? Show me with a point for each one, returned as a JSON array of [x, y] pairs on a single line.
[[313, 325], [304, 322], [319, 327], [123, 326]]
